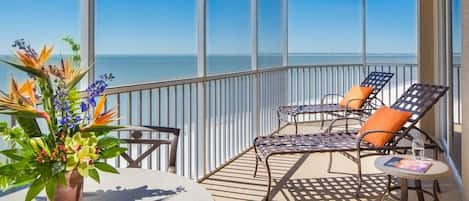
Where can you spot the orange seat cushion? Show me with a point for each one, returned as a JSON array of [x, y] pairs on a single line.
[[385, 119], [356, 92]]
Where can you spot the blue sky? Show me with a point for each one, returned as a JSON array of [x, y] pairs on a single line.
[[169, 26], [41, 22]]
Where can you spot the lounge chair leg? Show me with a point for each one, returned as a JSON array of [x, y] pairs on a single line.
[[389, 183], [329, 168], [296, 123], [278, 118], [322, 121], [346, 125], [255, 169], [359, 175], [267, 196]]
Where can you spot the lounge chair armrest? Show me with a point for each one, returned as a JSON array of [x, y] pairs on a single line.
[[363, 135], [352, 100], [324, 98], [331, 125]]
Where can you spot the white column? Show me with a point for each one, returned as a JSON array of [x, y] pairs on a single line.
[[87, 38], [254, 62], [285, 32], [254, 34], [201, 88], [363, 13]]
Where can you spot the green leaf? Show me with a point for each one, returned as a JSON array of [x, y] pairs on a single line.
[[30, 70], [9, 169], [23, 180], [50, 188], [112, 152], [13, 154], [30, 126], [102, 129], [3, 126], [105, 167], [35, 189], [108, 142], [93, 173]]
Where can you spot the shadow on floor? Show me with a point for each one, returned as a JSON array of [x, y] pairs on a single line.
[[336, 188]]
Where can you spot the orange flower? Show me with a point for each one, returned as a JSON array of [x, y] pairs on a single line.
[[103, 118], [28, 89], [24, 92], [67, 72], [21, 100], [35, 62]]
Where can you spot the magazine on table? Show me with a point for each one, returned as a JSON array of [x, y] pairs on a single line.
[[419, 166]]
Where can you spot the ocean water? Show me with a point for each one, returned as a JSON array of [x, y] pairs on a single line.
[[134, 69]]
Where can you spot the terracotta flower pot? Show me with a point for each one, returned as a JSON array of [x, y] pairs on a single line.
[[74, 189]]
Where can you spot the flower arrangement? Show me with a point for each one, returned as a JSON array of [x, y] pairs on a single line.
[[75, 138]]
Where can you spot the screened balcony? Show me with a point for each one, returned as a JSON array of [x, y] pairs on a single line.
[[219, 69]]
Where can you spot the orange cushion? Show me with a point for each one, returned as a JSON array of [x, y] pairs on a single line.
[[356, 92], [386, 119]]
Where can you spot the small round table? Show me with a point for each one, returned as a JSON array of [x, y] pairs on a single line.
[[436, 171], [135, 184]]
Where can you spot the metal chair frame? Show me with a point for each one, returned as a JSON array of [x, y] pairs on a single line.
[[418, 100], [136, 133], [376, 80]]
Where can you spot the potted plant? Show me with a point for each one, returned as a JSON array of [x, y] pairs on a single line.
[[61, 133]]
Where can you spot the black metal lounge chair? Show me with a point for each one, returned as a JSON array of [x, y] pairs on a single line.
[[376, 80], [418, 99]]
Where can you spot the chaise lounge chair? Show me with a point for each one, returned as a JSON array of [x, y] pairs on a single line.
[[416, 101], [375, 80]]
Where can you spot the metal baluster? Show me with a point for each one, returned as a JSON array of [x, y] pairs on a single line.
[[209, 145], [150, 120], [190, 134], [129, 111], [197, 129], [225, 116], [182, 166]]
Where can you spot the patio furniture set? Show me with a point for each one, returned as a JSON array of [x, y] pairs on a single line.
[[384, 129]]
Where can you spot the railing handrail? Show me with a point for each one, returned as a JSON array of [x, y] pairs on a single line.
[[183, 81], [194, 80]]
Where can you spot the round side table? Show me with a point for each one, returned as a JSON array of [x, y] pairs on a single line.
[[436, 171]]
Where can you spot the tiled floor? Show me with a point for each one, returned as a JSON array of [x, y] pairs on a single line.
[[305, 177]]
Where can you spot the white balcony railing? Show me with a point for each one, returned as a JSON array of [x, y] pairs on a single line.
[[220, 115]]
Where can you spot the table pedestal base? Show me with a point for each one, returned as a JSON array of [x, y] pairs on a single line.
[[404, 187]]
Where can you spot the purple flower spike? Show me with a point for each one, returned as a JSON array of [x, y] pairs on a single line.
[[84, 107]]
